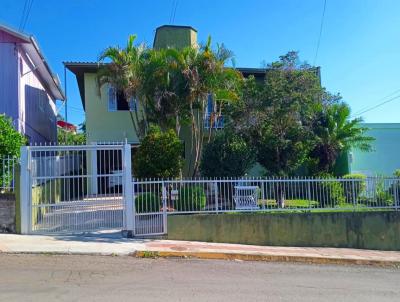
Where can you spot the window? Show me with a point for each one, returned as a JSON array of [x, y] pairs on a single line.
[[210, 116], [112, 99], [118, 102], [133, 104]]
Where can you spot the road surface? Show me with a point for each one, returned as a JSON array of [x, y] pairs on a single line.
[[96, 278]]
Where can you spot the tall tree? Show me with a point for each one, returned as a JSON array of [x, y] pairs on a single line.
[[124, 72], [336, 133], [277, 115]]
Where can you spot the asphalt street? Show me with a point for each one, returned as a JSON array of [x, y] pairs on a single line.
[[123, 278]]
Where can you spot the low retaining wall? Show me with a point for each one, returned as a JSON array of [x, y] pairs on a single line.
[[366, 230], [7, 213]]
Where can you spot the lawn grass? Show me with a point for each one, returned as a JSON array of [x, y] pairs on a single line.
[[289, 203], [309, 206]]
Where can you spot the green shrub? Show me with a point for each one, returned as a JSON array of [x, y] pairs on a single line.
[[191, 198], [10, 144], [227, 155], [353, 189], [384, 196], [328, 193], [147, 203], [159, 155], [394, 189]]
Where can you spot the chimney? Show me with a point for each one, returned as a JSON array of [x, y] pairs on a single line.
[[175, 36]]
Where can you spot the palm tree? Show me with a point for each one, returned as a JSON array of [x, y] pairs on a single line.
[[124, 73], [337, 133], [172, 84]]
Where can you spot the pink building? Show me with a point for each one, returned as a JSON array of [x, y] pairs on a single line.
[[28, 88]]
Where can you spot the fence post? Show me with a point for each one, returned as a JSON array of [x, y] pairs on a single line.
[[164, 207], [129, 206], [25, 187], [216, 197], [309, 194], [93, 170], [396, 194], [354, 193]]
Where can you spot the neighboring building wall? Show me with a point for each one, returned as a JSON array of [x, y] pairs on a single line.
[[385, 157], [102, 125], [9, 81], [37, 114]]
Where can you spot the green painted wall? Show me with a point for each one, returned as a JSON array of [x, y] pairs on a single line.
[[367, 230], [102, 125], [385, 157]]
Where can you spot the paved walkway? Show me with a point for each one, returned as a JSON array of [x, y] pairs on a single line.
[[113, 243]]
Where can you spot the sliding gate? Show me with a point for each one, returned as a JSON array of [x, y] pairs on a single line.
[[75, 188]]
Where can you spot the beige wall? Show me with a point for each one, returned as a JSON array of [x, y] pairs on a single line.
[[102, 125]]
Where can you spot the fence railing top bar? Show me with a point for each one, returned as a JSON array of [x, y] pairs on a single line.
[[257, 179], [75, 147]]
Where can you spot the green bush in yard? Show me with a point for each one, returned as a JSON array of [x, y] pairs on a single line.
[[328, 193], [10, 144], [147, 203], [227, 155], [191, 198], [353, 189], [159, 155], [395, 187]]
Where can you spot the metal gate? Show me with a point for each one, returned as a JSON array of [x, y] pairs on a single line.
[[74, 189], [150, 211]]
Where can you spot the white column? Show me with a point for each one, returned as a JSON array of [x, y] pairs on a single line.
[[129, 209], [25, 196]]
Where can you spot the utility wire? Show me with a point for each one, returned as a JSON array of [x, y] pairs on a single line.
[[176, 6], [379, 100], [28, 10], [23, 15], [172, 11], [320, 33], [378, 105]]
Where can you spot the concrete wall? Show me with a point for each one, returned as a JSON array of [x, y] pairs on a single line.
[[384, 159], [7, 213], [367, 230]]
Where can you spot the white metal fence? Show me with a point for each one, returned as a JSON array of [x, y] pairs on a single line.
[[7, 173], [266, 194]]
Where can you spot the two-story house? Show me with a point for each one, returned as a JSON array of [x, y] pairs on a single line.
[[28, 88], [107, 113]]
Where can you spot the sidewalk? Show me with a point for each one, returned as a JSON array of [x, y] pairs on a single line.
[[115, 244]]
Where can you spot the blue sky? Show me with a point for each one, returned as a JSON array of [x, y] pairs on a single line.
[[358, 53]]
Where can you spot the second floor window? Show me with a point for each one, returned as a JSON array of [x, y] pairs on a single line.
[[118, 102], [211, 117]]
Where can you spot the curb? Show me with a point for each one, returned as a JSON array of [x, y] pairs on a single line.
[[266, 258]]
